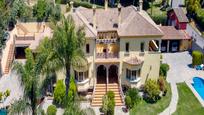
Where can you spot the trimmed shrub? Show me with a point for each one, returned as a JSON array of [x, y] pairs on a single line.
[[128, 102], [59, 92], [152, 91], [72, 88], [159, 19], [197, 58], [133, 93], [164, 68], [108, 103], [111, 95], [51, 110]]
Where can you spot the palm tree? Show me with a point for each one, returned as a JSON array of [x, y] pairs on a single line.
[[29, 80], [64, 49]]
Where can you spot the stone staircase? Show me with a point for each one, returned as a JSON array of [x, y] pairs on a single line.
[[100, 91], [9, 59]]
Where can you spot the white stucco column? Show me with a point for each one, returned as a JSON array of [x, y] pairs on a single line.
[[107, 74], [159, 45], [167, 46]]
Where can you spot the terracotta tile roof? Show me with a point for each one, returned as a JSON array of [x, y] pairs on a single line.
[[180, 15], [133, 61], [170, 33], [133, 22]]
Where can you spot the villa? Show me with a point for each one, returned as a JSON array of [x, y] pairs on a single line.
[[122, 49]]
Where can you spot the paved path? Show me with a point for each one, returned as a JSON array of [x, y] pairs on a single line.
[[10, 82], [179, 72]]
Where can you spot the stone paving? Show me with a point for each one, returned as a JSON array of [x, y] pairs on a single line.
[[10, 82], [180, 71]]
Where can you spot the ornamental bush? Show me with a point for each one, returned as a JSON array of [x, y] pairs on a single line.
[[164, 68], [51, 110], [72, 88], [197, 58], [108, 103], [151, 89], [128, 102], [59, 92], [133, 93]]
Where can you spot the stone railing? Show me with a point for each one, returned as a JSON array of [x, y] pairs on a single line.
[[107, 55]]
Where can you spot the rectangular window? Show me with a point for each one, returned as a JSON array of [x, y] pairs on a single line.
[[127, 47], [80, 77], [134, 73], [142, 47], [87, 48], [86, 74], [128, 74]]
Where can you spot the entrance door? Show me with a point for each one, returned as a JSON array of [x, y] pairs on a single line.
[[113, 74], [101, 74]]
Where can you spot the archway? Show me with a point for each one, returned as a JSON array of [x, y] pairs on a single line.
[[113, 74], [101, 74]]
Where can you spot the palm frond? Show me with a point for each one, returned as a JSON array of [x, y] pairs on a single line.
[[19, 107]]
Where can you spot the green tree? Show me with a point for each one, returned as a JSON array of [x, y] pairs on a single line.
[[151, 88], [64, 49], [39, 10], [4, 16], [29, 79], [192, 6]]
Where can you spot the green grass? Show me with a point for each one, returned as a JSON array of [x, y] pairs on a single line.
[[188, 103], [144, 108]]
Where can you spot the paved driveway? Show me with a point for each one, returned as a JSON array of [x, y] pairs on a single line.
[[179, 69]]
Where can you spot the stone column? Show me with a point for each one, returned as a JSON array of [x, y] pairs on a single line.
[[167, 46], [107, 74], [159, 45]]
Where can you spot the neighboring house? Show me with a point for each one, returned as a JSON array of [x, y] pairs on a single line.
[[24, 35], [175, 40], [177, 18]]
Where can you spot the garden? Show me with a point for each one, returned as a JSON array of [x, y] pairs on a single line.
[[153, 98]]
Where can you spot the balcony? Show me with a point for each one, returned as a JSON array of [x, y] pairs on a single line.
[[107, 55]]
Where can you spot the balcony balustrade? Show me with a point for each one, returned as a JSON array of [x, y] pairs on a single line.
[[107, 55]]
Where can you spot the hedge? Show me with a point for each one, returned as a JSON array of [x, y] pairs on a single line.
[[85, 4], [197, 58]]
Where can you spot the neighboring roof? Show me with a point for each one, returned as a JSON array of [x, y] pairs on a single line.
[[133, 22], [171, 33], [180, 14]]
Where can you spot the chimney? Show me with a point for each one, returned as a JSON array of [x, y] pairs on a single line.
[[140, 5], [119, 14], [71, 6], [94, 16], [106, 4]]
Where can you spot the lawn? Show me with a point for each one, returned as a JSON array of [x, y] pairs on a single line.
[[188, 103], [144, 108]]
